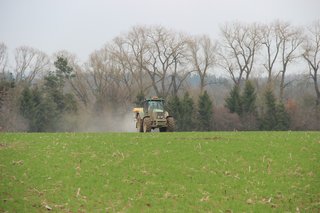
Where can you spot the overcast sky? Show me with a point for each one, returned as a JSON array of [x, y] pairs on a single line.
[[82, 26]]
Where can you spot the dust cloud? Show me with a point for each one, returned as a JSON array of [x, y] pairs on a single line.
[[108, 122], [84, 121]]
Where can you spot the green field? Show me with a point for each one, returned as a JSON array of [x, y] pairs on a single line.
[[160, 172]]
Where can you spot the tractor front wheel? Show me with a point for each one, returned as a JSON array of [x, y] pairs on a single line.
[[147, 124], [170, 124]]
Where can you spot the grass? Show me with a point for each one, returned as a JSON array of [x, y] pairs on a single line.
[[160, 172]]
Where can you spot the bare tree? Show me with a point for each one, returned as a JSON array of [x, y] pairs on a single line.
[[311, 54], [239, 47], [98, 67], [125, 67], [161, 62], [106, 80], [202, 57], [4, 87], [151, 58], [126, 54], [136, 40], [79, 83], [291, 39], [180, 69], [3, 57], [271, 40], [29, 63], [9, 118]]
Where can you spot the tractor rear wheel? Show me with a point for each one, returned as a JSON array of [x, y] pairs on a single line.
[[170, 124], [147, 124]]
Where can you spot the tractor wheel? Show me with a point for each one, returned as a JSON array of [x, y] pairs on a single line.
[[139, 124], [170, 124], [163, 129], [146, 124]]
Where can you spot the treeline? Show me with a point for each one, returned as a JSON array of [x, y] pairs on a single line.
[[259, 88]]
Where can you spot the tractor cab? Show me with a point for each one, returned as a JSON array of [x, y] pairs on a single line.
[[154, 104]]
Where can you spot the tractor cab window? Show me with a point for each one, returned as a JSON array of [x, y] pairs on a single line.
[[156, 106]]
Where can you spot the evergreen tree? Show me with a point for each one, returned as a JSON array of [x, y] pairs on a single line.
[[35, 120], [52, 87], [275, 117], [63, 71], [205, 112], [248, 99], [249, 109], [34, 108], [47, 116], [233, 101], [46, 107], [174, 109], [269, 119], [283, 118], [70, 103], [26, 104], [187, 113]]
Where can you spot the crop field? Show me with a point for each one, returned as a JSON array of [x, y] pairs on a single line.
[[160, 172]]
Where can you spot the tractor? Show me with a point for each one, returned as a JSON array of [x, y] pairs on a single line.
[[152, 115]]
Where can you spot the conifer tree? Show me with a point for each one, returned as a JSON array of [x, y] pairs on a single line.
[[26, 104], [205, 113], [174, 109], [269, 119], [38, 110], [47, 115], [249, 109], [248, 99], [283, 118], [44, 108], [187, 113], [63, 71], [275, 116], [233, 101]]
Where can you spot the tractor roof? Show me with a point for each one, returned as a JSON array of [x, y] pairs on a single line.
[[154, 98]]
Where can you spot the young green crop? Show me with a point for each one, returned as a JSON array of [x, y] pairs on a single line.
[[160, 172]]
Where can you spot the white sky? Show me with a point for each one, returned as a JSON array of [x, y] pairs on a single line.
[[82, 26]]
